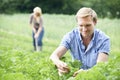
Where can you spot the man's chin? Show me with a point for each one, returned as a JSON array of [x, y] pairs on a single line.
[[85, 36]]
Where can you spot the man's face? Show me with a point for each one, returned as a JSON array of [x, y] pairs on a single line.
[[86, 26]]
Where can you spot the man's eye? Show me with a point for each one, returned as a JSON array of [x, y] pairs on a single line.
[[88, 25], [81, 25]]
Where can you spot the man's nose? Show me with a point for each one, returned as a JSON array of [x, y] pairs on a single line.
[[84, 29]]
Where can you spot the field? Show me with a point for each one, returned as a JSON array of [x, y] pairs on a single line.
[[19, 62]]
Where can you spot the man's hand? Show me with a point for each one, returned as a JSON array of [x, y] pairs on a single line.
[[62, 67], [77, 72], [55, 57]]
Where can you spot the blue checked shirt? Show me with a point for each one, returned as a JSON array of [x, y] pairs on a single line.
[[100, 43]]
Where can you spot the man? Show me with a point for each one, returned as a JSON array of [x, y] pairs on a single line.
[[87, 44]]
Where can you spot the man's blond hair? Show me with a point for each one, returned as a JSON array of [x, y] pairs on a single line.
[[84, 12]]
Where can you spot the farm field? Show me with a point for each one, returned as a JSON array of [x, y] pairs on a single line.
[[19, 62]]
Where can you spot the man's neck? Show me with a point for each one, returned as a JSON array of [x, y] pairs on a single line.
[[86, 40]]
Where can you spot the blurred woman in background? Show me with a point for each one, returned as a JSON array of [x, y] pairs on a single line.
[[36, 23]]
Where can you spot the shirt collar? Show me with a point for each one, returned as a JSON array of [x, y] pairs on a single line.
[[93, 35], [79, 34]]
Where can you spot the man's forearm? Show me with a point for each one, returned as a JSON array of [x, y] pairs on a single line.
[[102, 57]]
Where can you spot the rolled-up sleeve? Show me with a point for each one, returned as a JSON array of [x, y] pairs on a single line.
[[66, 41], [105, 46]]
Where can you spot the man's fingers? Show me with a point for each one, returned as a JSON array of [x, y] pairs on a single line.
[[63, 70], [62, 65], [75, 74]]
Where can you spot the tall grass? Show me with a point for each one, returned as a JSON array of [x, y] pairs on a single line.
[[16, 57], [56, 26]]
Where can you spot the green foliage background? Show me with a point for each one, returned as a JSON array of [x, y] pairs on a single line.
[[104, 8], [19, 62]]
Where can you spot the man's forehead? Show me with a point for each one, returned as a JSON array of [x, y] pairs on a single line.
[[87, 18]]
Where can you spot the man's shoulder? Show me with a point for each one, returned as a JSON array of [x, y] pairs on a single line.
[[72, 34], [100, 34], [73, 31]]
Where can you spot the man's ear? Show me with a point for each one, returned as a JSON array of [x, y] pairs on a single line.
[[95, 22]]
